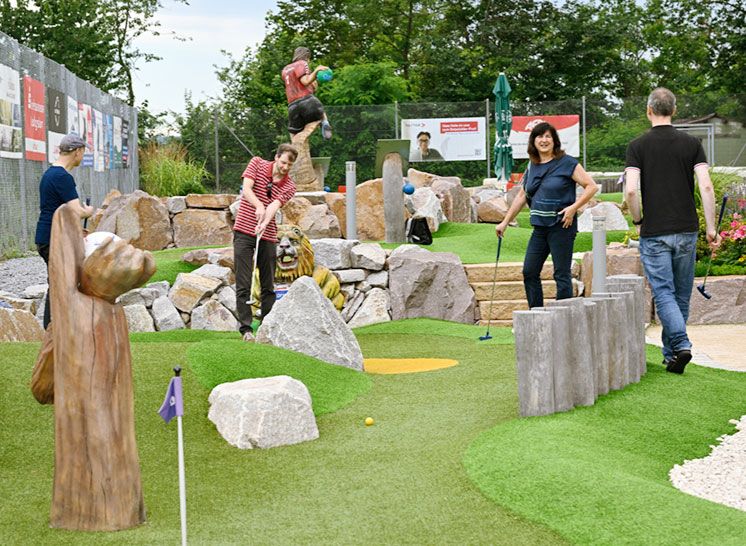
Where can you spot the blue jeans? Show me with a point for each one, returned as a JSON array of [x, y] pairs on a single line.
[[668, 261], [558, 241]]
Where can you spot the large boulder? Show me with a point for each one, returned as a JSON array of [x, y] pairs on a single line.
[[337, 203], [369, 210], [138, 318], [263, 413], [333, 253], [201, 227], [492, 210], [614, 221], [306, 321], [212, 315], [165, 315], [420, 179], [375, 309], [722, 308], [19, 325], [425, 204], [294, 210], [429, 284], [189, 289], [140, 219], [454, 199], [368, 256], [319, 222]]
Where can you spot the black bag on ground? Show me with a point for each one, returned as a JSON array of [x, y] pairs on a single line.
[[418, 232]]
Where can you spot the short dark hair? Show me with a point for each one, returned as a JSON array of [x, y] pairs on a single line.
[[538, 130], [286, 148], [424, 133], [662, 102]]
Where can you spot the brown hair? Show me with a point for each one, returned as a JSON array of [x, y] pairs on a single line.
[[286, 148], [301, 53], [539, 130]]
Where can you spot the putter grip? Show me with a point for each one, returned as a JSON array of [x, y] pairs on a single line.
[[722, 211], [85, 221]]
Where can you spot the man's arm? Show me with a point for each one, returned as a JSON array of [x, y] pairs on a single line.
[[284, 196], [247, 192], [307, 79], [631, 189], [707, 192]]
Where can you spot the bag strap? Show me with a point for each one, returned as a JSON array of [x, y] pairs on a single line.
[[540, 178]]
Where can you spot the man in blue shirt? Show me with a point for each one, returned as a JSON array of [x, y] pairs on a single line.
[[56, 188]]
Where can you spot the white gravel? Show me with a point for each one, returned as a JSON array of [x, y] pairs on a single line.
[[721, 476], [19, 273]]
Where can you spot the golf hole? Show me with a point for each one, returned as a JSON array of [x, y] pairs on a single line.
[[406, 365]]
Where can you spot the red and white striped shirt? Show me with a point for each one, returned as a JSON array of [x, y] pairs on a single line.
[[260, 171]]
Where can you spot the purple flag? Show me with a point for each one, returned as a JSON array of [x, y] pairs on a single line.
[[173, 405]]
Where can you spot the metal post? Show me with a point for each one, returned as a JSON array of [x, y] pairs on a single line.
[[22, 173], [396, 118], [599, 255], [584, 134], [487, 123], [217, 152], [350, 183]]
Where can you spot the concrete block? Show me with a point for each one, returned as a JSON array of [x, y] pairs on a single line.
[[534, 362]]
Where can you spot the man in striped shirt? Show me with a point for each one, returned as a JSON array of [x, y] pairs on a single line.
[[267, 186]]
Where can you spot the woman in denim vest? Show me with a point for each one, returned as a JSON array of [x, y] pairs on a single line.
[[549, 189]]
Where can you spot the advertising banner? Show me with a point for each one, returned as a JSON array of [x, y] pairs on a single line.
[[117, 143], [125, 143], [445, 139], [568, 129], [108, 142], [35, 119], [98, 141], [56, 122], [73, 118], [11, 129], [86, 132]]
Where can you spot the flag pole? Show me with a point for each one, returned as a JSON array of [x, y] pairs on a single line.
[[182, 478]]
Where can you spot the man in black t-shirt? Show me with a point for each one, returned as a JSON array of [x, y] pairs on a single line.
[[662, 164], [56, 188]]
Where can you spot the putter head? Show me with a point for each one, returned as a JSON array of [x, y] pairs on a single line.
[[485, 337], [701, 289]]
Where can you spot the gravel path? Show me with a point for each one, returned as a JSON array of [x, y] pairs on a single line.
[[721, 476], [20, 273]]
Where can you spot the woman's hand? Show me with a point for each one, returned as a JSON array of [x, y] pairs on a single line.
[[500, 228], [568, 215]]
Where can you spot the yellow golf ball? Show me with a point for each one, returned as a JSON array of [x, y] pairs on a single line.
[[369, 421]]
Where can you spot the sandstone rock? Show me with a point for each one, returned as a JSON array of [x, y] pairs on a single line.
[[294, 210], [222, 257], [483, 193], [374, 309], [313, 197], [420, 179], [378, 279], [305, 320], [213, 316], [510, 196], [139, 296], [140, 219], [454, 199], [220, 201], [165, 315], [337, 203], [429, 284], [263, 413], [426, 204], [138, 318], [20, 325], [198, 227], [18, 303], [199, 256], [95, 219], [369, 210], [333, 253], [113, 194], [368, 256], [35, 292], [189, 289], [213, 271], [492, 210], [319, 222], [615, 220], [474, 212], [349, 275], [722, 308], [176, 204]]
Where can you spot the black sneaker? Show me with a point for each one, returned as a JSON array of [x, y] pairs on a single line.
[[679, 361]]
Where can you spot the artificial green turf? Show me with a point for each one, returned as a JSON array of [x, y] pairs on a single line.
[[168, 263], [477, 243], [599, 475], [615, 197], [434, 327]]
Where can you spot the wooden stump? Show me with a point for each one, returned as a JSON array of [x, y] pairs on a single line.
[[97, 474], [393, 199], [303, 173]]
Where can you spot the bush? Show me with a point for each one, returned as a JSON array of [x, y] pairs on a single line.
[[722, 183], [165, 171]]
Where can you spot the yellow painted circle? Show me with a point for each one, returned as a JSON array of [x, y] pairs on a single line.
[[406, 365]]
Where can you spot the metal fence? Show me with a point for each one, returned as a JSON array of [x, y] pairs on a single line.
[[19, 178]]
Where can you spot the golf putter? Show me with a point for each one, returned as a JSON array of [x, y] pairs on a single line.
[[251, 300], [85, 221], [701, 287], [487, 335]]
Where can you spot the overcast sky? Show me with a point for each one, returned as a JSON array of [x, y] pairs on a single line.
[[229, 25]]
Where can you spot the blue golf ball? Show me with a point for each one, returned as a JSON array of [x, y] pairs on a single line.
[[408, 188], [327, 188], [325, 75]]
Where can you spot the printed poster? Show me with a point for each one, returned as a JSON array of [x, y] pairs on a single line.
[[568, 129], [108, 142], [98, 141], [35, 119], [11, 129], [125, 143], [445, 139], [73, 118], [117, 142], [56, 122], [86, 132]]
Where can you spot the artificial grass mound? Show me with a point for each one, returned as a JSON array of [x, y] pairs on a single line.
[[386, 366], [224, 361], [426, 326], [599, 475]]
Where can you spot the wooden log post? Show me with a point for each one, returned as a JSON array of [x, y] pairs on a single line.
[[303, 172], [97, 474], [393, 198]]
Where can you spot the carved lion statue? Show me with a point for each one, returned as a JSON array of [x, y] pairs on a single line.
[[295, 259]]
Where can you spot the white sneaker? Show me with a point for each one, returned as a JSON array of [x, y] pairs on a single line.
[[248, 337]]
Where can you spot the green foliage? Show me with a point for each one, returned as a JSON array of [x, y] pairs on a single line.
[[608, 142], [166, 171], [722, 183], [366, 83]]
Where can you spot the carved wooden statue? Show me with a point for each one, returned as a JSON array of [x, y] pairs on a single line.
[[85, 368], [303, 172]]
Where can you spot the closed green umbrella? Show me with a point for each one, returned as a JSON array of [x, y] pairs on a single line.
[[503, 152]]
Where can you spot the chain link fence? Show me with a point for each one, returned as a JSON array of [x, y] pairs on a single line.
[[19, 177]]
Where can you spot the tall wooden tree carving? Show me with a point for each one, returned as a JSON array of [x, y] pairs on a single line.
[[85, 369]]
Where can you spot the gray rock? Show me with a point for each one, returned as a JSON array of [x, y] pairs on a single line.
[[227, 298], [429, 284], [333, 253], [363, 286], [35, 292], [350, 275], [305, 320], [138, 318], [223, 274], [140, 296], [176, 204], [161, 288], [17, 303], [374, 309], [189, 289], [614, 218], [211, 315], [378, 279], [263, 413], [165, 315], [426, 204], [368, 256], [352, 305], [348, 290]]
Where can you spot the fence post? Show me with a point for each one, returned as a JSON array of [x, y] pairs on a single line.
[[217, 152], [396, 119], [584, 134], [487, 123], [350, 182]]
